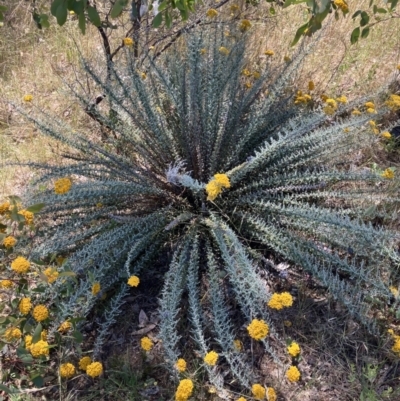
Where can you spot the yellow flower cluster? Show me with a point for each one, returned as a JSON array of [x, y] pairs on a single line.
[[341, 99], [25, 305], [294, 349], [215, 186], [20, 265], [386, 135], [184, 390], [280, 301], [212, 13], [133, 281], [84, 362], [238, 345], [40, 313], [241, 399], [51, 274], [180, 365], [223, 50], [302, 98], [6, 284], [258, 391], [4, 207], [62, 186], [396, 339], [211, 358], [370, 107], [356, 112], [258, 329], [269, 52], [28, 342], [94, 369], [67, 370], [293, 374], [65, 327], [41, 348], [28, 216], [12, 333], [146, 343], [127, 42], [27, 98], [394, 291], [9, 241], [393, 102], [96, 288], [271, 394], [244, 25], [372, 124], [204, 51], [342, 5], [331, 106], [388, 174]]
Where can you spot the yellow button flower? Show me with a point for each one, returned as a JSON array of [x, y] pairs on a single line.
[[133, 281], [180, 365], [212, 13], [293, 374], [258, 329], [96, 288], [20, 265], [128, 41], [65, 327], [146, 343], [211, 358], [84, 362], [94, 369], [293, 349], [40, 313], [62, 186], [258, 391], [25, 306], [9, 241], [184, 390], [67, 370], [27, 98]]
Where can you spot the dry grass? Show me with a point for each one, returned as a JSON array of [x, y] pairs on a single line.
[[340, 361]]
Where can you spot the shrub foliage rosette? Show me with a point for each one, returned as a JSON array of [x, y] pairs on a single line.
[[220, 176]]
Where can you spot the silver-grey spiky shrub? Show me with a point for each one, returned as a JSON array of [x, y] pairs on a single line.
[[220, 177]]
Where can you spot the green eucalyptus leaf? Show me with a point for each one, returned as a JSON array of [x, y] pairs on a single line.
[[37, 334], [168, 19], [355, 35], [37, 380], [36, 208], [157, 20], [54, 6], [364, 18], [82, 23], [118, 8], [94, 16], [8, 390], [62, 14], [44, 20], [163, 6], [299, 33], [77, 336], [365, 32]]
